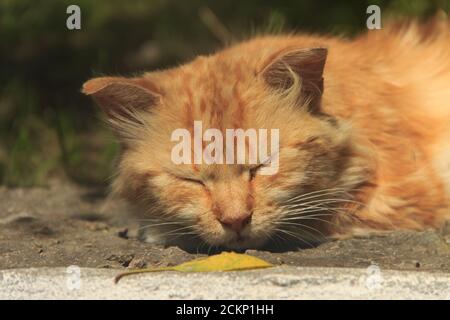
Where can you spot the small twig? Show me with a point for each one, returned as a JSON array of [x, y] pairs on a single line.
[[216, 27]]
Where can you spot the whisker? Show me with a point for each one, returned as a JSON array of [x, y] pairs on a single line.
[[172, 232], [164, 223], [324, 201], [302, 225], [279, 239], [319, 193], [294, 236], [315, 208], [308, 217]]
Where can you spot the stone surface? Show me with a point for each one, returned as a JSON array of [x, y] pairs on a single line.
[[276, 283]]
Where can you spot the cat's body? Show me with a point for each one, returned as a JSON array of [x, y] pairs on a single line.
[[367, 149]]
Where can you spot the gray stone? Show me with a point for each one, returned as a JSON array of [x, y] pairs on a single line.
[[276, 283]]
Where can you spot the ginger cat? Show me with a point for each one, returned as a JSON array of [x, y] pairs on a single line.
[[364, 139]]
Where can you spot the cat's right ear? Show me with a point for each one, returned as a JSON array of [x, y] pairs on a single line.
[[308, 64], [121, 97]]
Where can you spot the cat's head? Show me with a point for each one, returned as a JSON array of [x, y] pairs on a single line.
[[230, 205]]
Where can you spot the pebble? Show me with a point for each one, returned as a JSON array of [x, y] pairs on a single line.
[[137, 263]]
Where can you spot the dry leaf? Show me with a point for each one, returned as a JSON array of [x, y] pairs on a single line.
[[226, 261]]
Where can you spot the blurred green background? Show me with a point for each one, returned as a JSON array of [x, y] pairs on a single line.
[[49, 129]]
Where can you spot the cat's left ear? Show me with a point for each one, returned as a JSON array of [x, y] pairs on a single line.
[[121, 96], [307, 64]]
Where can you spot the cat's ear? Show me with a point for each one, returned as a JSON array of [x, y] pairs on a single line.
[[307, 64], [121, 96]]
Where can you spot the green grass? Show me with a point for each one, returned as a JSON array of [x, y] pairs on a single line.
[[48, 128]]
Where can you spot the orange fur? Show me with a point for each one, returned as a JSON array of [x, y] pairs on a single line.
[[373, 155]]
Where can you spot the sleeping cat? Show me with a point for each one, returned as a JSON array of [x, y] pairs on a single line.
[[364, 139]]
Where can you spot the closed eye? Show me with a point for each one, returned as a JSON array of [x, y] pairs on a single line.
[[191, 180]]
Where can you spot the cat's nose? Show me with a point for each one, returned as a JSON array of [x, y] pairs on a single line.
[[236, 222]]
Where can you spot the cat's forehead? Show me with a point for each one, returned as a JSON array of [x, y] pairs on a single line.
[[216, 90], [212, 75]]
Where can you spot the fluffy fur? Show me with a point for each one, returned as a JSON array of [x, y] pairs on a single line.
[[364, 139]]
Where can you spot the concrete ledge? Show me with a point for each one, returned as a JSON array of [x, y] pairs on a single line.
[[276, 283]]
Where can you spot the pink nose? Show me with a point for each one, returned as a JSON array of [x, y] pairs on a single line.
[[236, 222]]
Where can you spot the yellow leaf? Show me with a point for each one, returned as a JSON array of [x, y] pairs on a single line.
[[226, 261]]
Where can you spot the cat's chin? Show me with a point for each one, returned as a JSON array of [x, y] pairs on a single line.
[[244, 244], [199, 245]]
